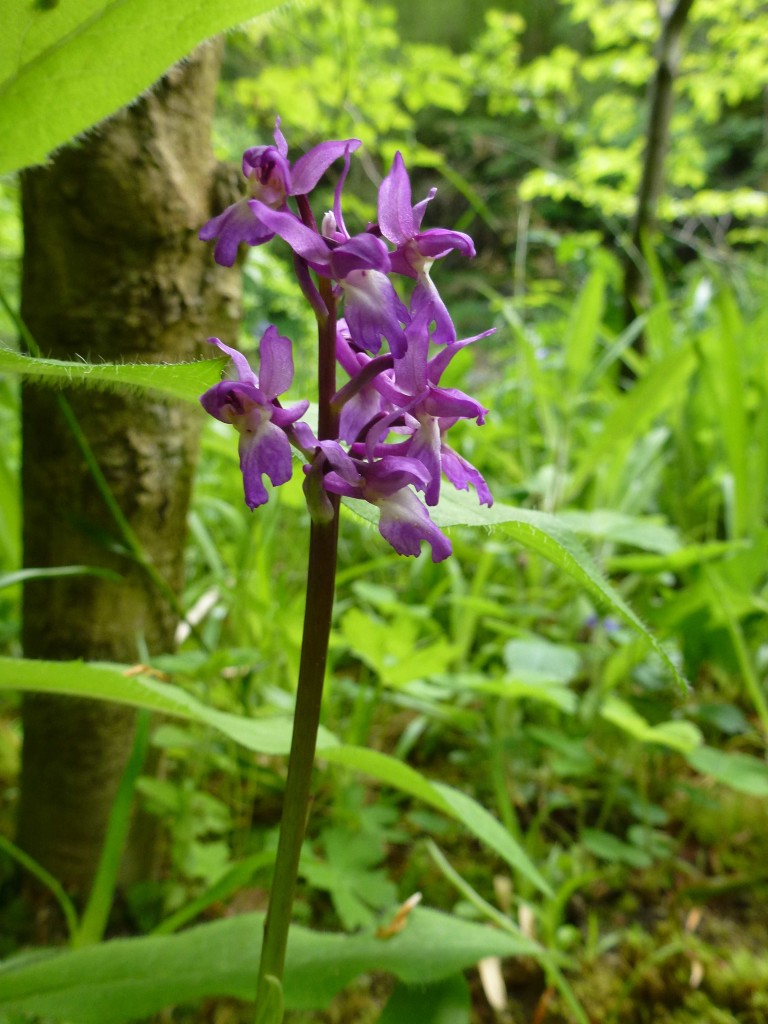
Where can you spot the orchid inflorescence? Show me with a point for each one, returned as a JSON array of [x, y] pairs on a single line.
[[392, 415]]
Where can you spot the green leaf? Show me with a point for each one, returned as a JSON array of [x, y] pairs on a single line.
[[445, 798], [10, 579], [739, 771], [179, 380], [644, 532], [65, 66], [443, 1002], [126, 979], [677, 735], [110, 682], [608, 847], [583, 329], [537, 660], [271, 1009], [544, 534], [676, 561]]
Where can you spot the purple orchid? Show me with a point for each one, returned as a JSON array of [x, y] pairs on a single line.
[[360, 265], [393, 414], [249, 404], [416, 251], [416, 399], [270, 179], [403, 521]]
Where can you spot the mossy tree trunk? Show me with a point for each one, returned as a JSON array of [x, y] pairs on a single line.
[[112, 271]]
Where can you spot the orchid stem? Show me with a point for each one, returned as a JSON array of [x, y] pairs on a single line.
[[321, 579]]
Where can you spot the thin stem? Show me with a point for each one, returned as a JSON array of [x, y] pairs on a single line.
[[321, 578]]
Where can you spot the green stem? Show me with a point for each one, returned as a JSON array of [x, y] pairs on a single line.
[[93, 922], [321, 578]]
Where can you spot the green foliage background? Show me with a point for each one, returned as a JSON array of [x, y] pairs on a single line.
[[577, 785]]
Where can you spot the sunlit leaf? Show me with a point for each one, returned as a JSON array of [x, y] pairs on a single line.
[[677, 735], [445, 798], [544, 534], [178, 380], [64, 65], [120, 981], [742, 772], [110, 682]]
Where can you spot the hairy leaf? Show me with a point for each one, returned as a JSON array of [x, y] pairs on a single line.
[[179, 380], [65, 66]]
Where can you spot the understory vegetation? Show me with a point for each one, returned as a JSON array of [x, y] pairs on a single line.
[[624, 864]]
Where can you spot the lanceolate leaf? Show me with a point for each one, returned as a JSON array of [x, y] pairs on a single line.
[[445, 798], [544, 534], [178, 380], [120, 981], [65, 65], [110, 682]]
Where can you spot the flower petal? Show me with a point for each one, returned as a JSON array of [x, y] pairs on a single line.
[[244, 371], [238, 223], [405, 523], [395, 210], [302, 240], [437, 242], [266, 451], [462, 473], [275, 363], [372, 310], [310, 168]]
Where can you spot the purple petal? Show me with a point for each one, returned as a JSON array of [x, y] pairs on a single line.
[[337, 213], [358, 412], [363, 252], [438, 242], [238, 223], [395, 210], [411, 369], [266, 451], [419, 208], [437, 364], [302, 240], [405, 523], [450, 402], [310, 168], [287, 416], [244, 371], [425, 446], [230, 400], [462, 473], [390, 474], [426, 300], [269, 173], [275, 363], [280, 143], [372, 310]]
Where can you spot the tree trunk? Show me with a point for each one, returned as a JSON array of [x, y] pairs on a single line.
[[651, 186], [112, 271]]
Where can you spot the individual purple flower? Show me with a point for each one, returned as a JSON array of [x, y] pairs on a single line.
[[360, 264], [416, 397], [403, 521], [416, 251], [271, 179], [372, 308], [359, 400], [249, 404]]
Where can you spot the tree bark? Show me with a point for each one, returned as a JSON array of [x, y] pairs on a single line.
[[112, 271], [656, 146]]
